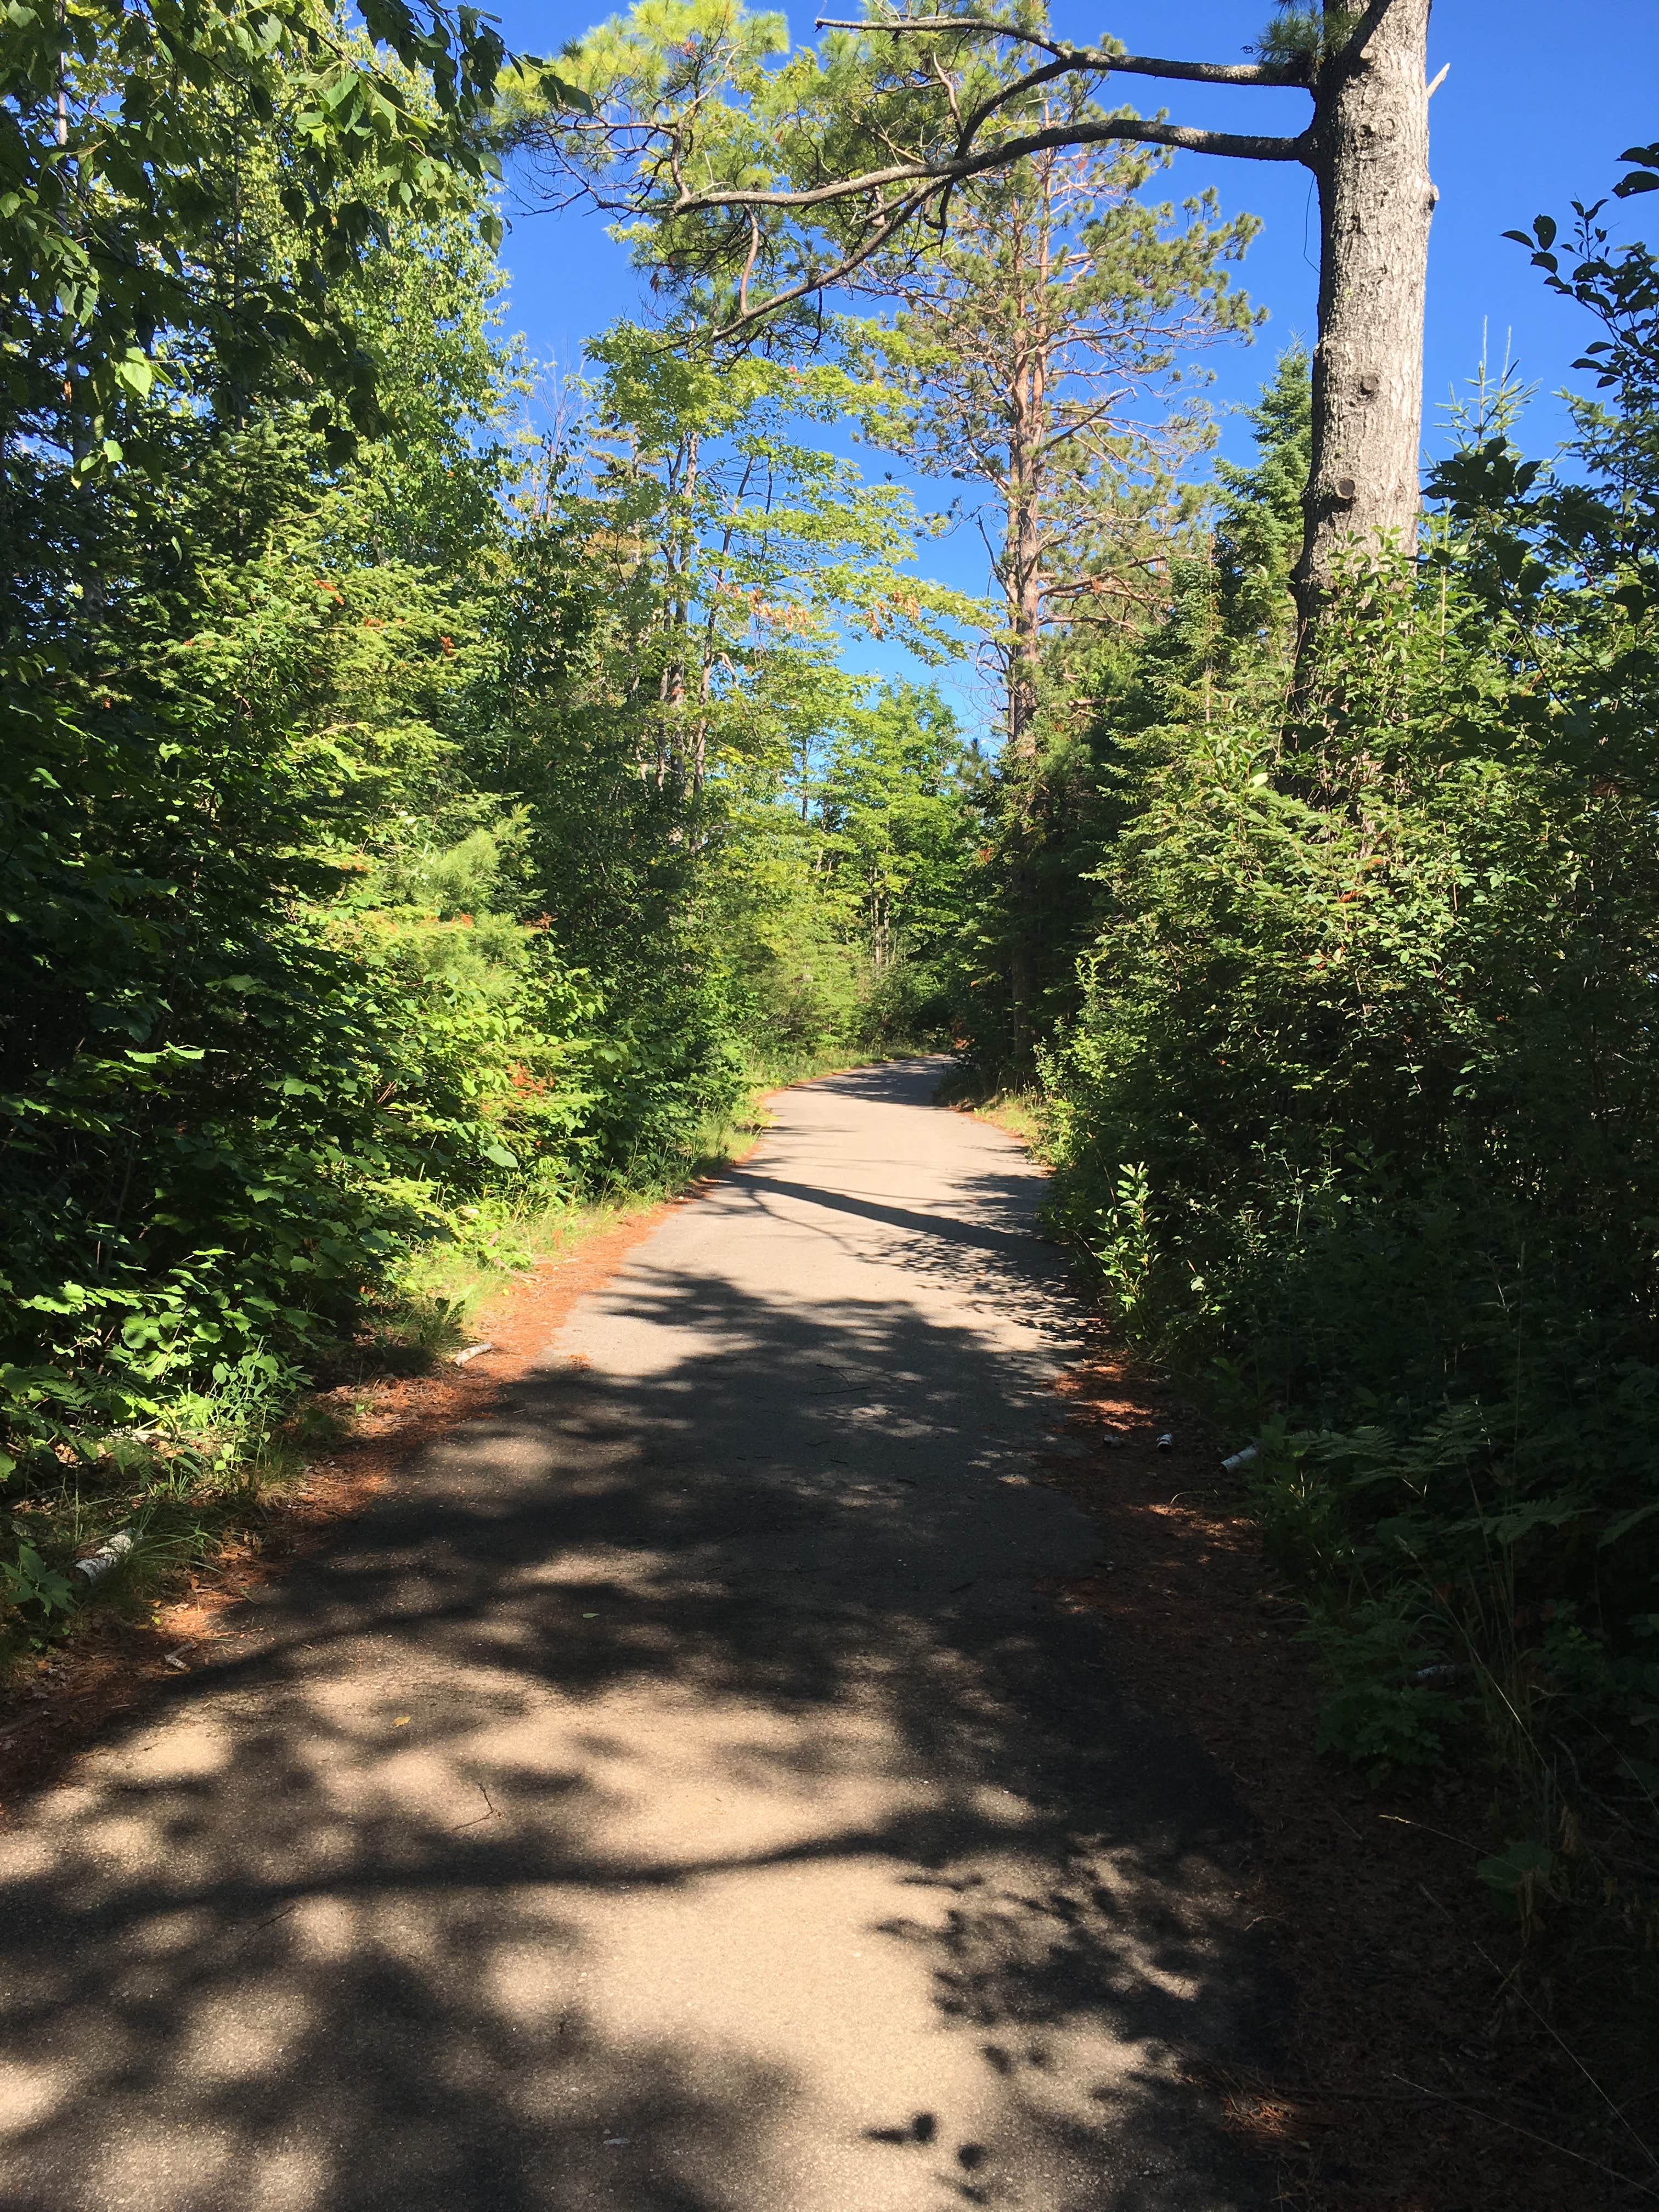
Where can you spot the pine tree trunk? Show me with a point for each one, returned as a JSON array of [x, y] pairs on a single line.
[[1027, 426], [1375, 199], [1022, 557], [1026, 622]]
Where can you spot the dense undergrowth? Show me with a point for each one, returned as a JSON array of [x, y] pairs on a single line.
[[429, 805], [206, 1464], [1351, 1092]]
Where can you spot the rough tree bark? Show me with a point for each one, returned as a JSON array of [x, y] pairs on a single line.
[[1022, 545], [1370, 153]]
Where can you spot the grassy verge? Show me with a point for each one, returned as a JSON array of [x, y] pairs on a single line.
[[1021, 1112], [777, 1071]]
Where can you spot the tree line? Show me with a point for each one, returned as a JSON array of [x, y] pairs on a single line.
[[429, 795]]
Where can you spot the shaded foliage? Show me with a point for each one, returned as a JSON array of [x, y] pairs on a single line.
[[1357, 1111]]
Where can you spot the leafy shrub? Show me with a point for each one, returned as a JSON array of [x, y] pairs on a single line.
[[1359, 1100]]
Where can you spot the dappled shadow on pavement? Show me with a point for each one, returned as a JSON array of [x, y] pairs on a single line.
[[674, 1799]]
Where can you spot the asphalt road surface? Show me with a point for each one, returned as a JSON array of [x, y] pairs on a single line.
[[674, 1797]]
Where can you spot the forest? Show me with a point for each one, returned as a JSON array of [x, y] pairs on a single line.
[[435, 796]]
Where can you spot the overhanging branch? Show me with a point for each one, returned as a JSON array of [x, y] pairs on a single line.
[[893, 221], [1092, 58], [1236, 145]]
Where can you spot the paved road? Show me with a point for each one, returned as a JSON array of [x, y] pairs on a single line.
[[675, 1797]]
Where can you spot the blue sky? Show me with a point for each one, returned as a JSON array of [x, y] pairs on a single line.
[[1537, 105]]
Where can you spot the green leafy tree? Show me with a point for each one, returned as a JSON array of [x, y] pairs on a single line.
[[132, 141], [689, 567], [228, 1091], [891, 810], [842, 896], [740, 547]]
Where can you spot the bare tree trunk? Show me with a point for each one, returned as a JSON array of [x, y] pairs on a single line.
[[1023, 586], [1370, 153], [678, 557], [1023, 548]]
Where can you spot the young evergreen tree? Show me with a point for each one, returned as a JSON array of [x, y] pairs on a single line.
[[1258, 525]]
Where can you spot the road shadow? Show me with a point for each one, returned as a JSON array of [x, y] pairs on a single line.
[[914, 1082], [522, 1849]]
